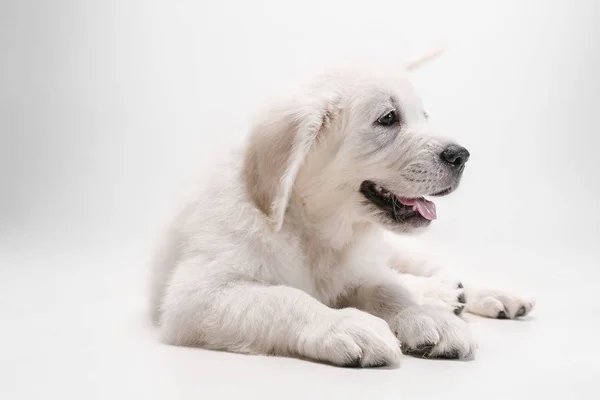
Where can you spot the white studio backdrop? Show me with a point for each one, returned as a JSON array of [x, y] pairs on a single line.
[[108, 109]]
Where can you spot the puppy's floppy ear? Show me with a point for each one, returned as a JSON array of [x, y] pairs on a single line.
[[277, 147], [417, 62]]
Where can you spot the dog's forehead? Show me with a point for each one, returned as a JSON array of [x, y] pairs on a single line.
[[391, 90], [399, 86]]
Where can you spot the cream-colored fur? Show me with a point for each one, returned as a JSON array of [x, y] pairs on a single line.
[[280, 253]]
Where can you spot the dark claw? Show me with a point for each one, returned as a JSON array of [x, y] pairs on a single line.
[[521, 311], [502, 315], [461, 298], [377, 364], [353, 363], [458, 310], [451, 355], [460, 285], [423, 350]]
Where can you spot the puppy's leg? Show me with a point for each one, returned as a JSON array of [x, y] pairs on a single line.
[[422, 275], [457, 297], [424, 330], [418, 272], [436, 291], [412, 259], [250, 317], [496, 304]]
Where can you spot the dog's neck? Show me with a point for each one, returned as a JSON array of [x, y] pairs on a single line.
[[332, 221]]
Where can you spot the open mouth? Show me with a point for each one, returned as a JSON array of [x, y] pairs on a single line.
[[418, 210]]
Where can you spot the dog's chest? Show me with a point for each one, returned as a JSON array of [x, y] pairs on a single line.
[[315, 271]]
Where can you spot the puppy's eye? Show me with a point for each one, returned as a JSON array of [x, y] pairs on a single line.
[[388, 119]]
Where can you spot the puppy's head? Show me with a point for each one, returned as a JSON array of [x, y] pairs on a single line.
[[352, 142]]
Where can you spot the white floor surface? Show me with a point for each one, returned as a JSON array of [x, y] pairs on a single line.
[[84, 333]]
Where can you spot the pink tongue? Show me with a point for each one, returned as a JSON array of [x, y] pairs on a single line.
[[424, 207]]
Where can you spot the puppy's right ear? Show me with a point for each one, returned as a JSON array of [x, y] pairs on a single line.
[[417, 62], [277, 147]]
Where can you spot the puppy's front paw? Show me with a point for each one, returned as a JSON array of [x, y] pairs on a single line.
[[496, 304], [449, 294], [432, 332], [356, 339]]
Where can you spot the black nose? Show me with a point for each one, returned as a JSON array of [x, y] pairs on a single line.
[[455, 155]]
